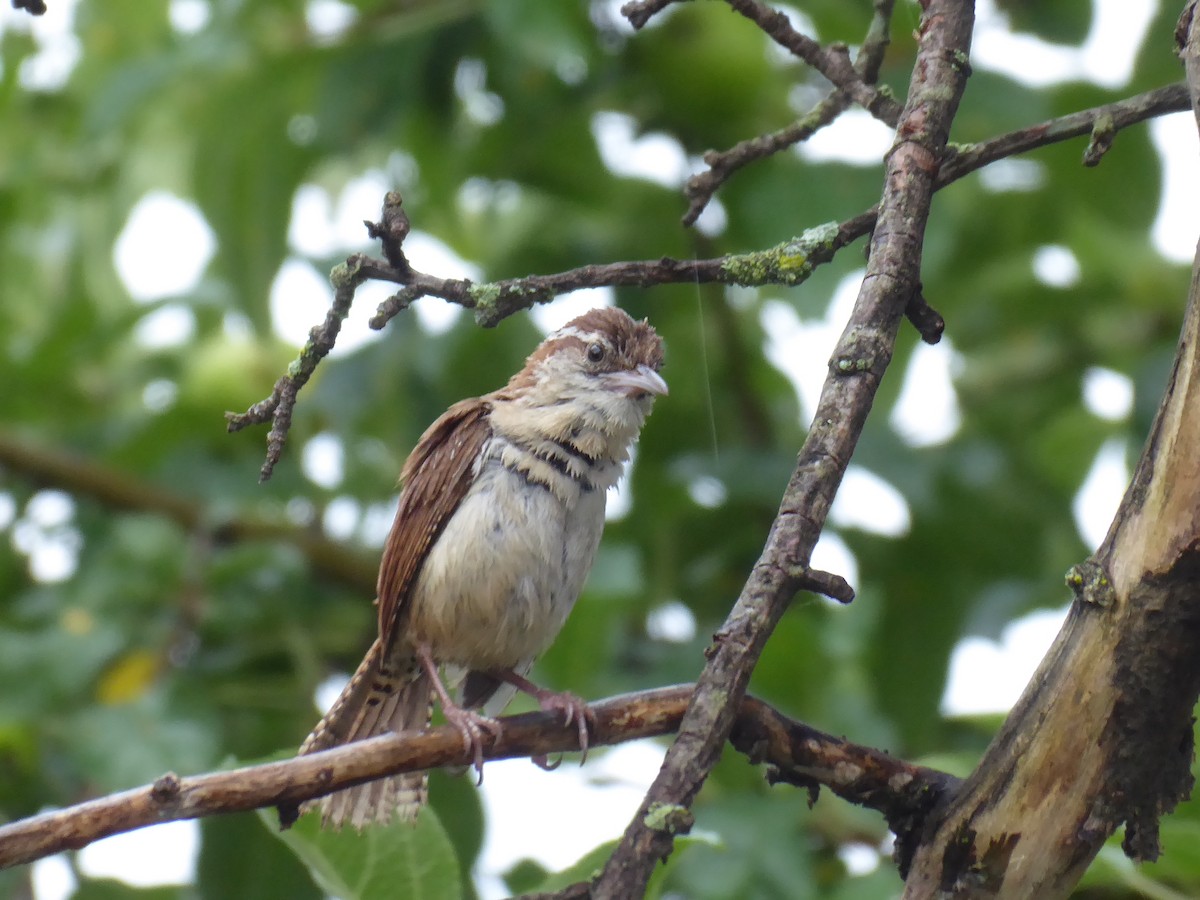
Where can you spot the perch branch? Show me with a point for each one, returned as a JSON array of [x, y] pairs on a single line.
[[796, 753]]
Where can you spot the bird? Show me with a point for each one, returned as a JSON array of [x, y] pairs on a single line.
[[500, 515]]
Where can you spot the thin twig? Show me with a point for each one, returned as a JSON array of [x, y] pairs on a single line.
[[722, 164], [832, 61], [278, 407], [795, 752], [701, 187], [639, 13], [874, 46], [1116, 116]]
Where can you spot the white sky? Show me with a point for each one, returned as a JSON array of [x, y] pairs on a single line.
[[521, 800]]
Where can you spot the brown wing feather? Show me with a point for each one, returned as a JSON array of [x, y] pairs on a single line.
[[429, 495]]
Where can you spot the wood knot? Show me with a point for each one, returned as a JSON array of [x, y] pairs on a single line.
[[165, 789]]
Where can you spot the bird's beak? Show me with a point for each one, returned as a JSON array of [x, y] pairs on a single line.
[[642, 380]]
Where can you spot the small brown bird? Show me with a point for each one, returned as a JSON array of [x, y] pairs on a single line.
[[501, 510]]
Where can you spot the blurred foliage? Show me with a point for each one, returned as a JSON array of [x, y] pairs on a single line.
[[399, 860], [131, 644]]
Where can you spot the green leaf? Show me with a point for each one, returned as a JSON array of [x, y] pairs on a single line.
[[125, 745], [884, 882], [239, 859], [1060, 23], [398, 860], [112, 889]]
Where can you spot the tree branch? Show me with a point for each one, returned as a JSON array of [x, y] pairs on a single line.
[[278, 407], [797, 753], [640, 12], [833, 62], [721, 165], [858, 364], [789, 263], [1110, 117], [118, 490]]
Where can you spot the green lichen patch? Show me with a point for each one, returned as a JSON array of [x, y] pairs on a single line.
[[347, 274], [788, 263], [1090, 582], [669, 818]]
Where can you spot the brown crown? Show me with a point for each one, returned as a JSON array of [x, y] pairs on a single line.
[[637, 343]]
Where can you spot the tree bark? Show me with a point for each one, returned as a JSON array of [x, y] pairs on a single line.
[[795, 753], [1103, 734]]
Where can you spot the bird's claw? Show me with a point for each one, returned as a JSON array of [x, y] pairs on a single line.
[[472, 726], [573, 709]]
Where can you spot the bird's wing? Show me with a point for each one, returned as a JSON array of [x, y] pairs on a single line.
[[429, 496]]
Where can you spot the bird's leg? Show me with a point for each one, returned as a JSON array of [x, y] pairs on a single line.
[[471, 725], [572, 708]]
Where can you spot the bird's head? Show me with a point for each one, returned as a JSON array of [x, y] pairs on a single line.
[[603, 357], [600, 371]]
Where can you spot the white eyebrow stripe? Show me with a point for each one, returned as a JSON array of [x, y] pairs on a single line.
[[571, 331]]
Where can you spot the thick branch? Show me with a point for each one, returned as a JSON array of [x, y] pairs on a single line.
[[858, 364], [1103, 733], [118, 490], [900, 790]]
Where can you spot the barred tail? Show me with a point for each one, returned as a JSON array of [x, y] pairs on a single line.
[[376, 701]]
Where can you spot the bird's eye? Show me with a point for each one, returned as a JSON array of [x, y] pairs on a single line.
[[595, 351]]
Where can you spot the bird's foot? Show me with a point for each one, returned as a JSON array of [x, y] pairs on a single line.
[[472, 726], [573, 709]]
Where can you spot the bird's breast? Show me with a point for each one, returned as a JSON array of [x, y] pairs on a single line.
[[498, 584]]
